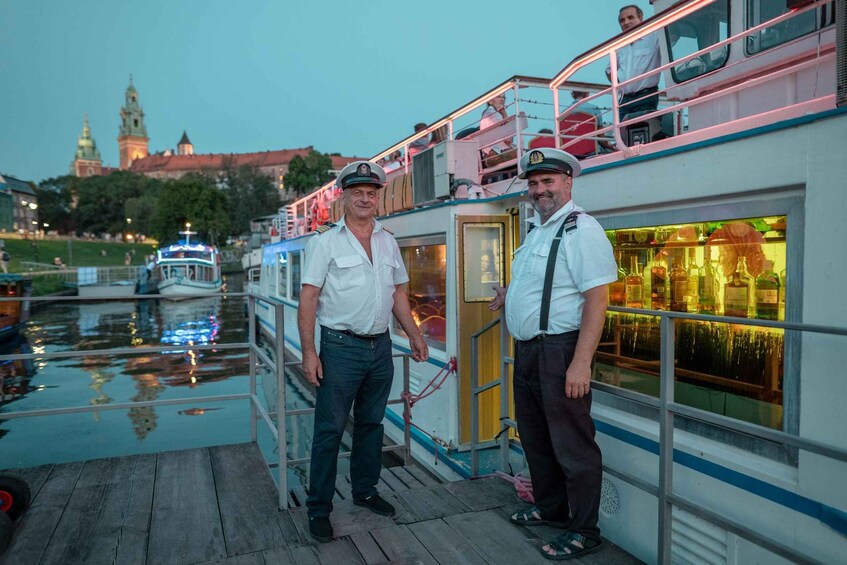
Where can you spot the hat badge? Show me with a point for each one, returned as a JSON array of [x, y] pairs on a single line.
[[364, 170], [536, 157]]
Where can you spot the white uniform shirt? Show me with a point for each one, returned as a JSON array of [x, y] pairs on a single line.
[[584, 261], [636, 59], [356, 295], [490, 117]]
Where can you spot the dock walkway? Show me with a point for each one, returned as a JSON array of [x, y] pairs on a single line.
[[219, 505]]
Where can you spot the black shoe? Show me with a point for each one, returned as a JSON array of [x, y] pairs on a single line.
[[320, 528], [376, 504]]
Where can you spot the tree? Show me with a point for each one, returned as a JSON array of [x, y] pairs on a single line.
[[55, 199], [250, 193], [306, 174], [196, 199], [101, 205]]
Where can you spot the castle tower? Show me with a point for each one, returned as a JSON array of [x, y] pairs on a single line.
[[184, 147], [132, 135], [87, 161]]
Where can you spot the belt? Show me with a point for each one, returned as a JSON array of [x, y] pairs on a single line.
[[642, 92], [542, 337], [368, 337]]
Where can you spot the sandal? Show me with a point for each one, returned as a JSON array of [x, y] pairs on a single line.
[[532, 517], [570, 545]]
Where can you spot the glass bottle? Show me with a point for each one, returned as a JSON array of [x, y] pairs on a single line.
[[767, 293], [678, 285], [634, 283], [737, 291], [655, 281], [692, 292], [617, 290], [707, 285]]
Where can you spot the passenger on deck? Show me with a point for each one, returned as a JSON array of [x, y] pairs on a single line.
[[636, 59], [556, 334], [420, 144], [438, 135], [494, 112], [540, 141], [353, 280], [394, 162]]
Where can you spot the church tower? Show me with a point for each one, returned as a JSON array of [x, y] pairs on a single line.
[[87, 162], [184, 147], [132, 135]]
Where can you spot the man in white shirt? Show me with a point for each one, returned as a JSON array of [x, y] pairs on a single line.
[[353, 280], [636, 59], [555, 310]]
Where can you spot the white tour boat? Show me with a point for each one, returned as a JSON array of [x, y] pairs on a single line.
[[187, 269]]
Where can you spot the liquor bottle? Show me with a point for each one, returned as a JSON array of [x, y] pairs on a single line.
[[617, 290], [767, 293], [707, 285], [634, 282], [655, 279], [692, 292], [678, 285], [737, 291]]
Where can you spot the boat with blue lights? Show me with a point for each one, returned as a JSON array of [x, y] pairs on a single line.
[[186, 270]]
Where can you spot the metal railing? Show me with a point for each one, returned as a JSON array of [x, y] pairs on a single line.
[[668, 409], [256, 357]]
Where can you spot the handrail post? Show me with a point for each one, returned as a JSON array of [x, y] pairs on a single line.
[[251, 339], [282, 442], [407, 414], [556, 130], [666, 424], [474, 407], [504, 394], [518, 132]]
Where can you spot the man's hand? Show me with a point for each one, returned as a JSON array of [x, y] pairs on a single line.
[[499, 300], [312, 367], [420, 351], [577, 380]]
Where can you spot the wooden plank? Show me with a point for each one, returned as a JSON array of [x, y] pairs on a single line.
[[247, 497], [482, 494], [36, 527], [299, 495], [421, 475], [338, 551], [246, 559], [383, 488], [409, 480], [346, 519], [444, 503], [368, 548], [186, 522], [33, 476], [495, 539], [415, 504], [135, 530], [445, 544], [342, 486], [400, 544], [92, 526], [393, 482]]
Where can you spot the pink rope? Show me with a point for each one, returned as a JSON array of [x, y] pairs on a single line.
[[522, 483]]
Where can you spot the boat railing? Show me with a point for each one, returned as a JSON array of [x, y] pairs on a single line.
[[257, 357], [668, 410], [703, 86], [106, 275]]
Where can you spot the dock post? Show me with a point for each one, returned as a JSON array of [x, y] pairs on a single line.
[[251, 339], [666, 423], [282, 442]]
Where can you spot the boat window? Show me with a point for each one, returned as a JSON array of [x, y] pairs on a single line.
[[759, 11], [483, 260], [733, 267], [294, 260], [426, 263], [697, 31], [282, 278]]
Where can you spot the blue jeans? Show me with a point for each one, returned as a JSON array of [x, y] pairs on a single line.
[[358, 373]]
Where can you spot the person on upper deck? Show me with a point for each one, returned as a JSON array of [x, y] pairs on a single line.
[[495, 111], [353, 280], [636, 59], [555, 309], [420, 144]]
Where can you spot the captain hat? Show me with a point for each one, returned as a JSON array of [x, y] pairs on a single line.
[[549, 159], [361, 172]]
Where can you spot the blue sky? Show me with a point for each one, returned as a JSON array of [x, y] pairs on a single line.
[[348, 77]]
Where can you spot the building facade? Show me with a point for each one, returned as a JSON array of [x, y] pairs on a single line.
[[87, 161], [132, 134], [24, 205]]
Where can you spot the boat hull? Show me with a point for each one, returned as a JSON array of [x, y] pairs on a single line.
[[175, 289]]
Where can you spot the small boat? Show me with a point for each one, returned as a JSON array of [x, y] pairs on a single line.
[[110, 282], [13, 314], [188, 269]]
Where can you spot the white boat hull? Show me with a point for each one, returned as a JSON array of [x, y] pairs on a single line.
[[119, 289], [176, 289]]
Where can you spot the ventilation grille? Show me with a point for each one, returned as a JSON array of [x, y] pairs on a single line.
[[696, 541], [841, 51], [423, 177], [610, 500]]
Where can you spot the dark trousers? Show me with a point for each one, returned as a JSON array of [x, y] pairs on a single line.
[[649, 104], [557, 434], [358, 373]]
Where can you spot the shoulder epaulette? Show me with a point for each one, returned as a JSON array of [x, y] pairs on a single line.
[[570, 221], [388, 230], [325, 227]]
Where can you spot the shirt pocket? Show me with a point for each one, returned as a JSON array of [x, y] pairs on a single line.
[[350, 272], [538, 260], [387, 266]]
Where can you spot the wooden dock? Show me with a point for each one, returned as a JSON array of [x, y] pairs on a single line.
[[218, 505]]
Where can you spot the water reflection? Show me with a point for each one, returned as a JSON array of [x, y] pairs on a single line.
[[15, 374]]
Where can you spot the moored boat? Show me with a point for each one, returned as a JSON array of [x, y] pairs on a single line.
[[188, 269], [13, 314]]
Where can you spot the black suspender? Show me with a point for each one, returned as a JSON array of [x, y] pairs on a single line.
[[567, 226]]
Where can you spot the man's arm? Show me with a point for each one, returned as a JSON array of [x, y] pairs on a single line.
[[578, 376], [306, 316], [403, 312]]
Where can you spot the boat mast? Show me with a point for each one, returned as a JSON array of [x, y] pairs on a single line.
[[187, 233]]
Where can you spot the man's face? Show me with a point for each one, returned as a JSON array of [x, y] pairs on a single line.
[[548, 192], [628, 19], [361, 200]]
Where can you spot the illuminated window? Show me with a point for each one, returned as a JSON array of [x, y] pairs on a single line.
[[697, 31], [425, 260], [295, 275], [282, 280]]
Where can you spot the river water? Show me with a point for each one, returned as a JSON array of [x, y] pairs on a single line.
[[182, 372]]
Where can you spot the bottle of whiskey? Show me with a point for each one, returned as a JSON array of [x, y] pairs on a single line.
[[737, 291], [655, 280], [767, 293], [707, 285], [678, 285], [692, 292], [617, 290], [634, 283]]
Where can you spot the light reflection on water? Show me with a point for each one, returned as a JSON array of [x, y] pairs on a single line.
[[182, 372]]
